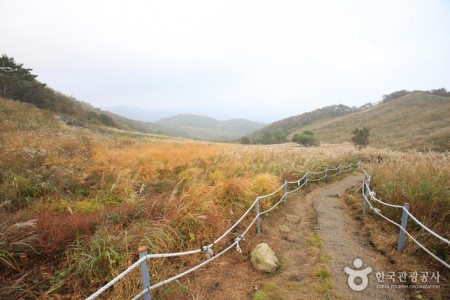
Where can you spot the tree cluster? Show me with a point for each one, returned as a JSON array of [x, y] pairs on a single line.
[[18, 83], [439, 92], [306, 138]]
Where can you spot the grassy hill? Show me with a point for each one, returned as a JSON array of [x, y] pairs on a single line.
[[412, 120], [76, 203], [207, 128], [278, 132], [18, 83]]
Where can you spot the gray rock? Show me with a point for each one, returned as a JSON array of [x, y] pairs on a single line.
[[264, 259]]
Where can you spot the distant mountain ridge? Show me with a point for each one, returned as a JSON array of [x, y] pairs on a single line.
[[20, 84], [207, 128], [140, 114], [403, 120]]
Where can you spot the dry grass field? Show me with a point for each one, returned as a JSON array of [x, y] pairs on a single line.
[[76, 203]]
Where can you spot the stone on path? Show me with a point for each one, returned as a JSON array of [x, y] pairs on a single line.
[[284, 229], [293, 218], [264, 259]]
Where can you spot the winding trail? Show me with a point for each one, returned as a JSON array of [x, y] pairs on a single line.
[[317, 210], [340, 240]]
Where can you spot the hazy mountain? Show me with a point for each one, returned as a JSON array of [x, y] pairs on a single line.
[[403, 120], [140, 114], [207, 128]]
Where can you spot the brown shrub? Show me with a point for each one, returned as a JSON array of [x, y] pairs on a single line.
[[58, 231]]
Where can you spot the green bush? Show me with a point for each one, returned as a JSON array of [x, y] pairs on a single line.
[[306, 139]]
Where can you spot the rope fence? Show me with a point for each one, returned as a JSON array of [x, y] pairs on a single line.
[[207, 249], [369, 196]]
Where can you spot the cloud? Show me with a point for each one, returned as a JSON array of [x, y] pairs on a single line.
[[244, 58]]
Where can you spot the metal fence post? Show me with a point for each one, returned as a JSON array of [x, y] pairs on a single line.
[[359, 165], [325, 179], [401, 240], [306, 179], [145, 276], [258, 221], [285, 192], [366, 195]]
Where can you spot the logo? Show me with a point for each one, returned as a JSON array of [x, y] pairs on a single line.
[[353, 274]]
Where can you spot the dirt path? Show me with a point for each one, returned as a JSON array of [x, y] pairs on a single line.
[[340, 240], [323, 239]]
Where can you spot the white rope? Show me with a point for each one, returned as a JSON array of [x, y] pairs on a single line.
[[317, 179], [164, 255], [372, 196], [271, 194], [183, 273], [332, 175], [207, 248], [378, 212], [337, 168], [273, 207], [339, 172], [316, 173], [426, 228], [349, 168], [193, 268], [250, 226], [237, 240], [237, 222], [297, 181], [247, 212], [117, 278], [208, 251], [293, 191], [425, 249], [241, 237], [412, 238]]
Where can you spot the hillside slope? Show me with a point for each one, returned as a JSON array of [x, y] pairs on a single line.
[[416, 120], [18, 83], [278, 132], [207, 128]]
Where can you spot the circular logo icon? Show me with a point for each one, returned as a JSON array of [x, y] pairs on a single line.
[[353, 274]]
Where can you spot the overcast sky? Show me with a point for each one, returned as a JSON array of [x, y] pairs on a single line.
[[261, 60]]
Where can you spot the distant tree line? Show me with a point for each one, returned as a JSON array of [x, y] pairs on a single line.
[[18, 83], [439, 92], [279, 136]]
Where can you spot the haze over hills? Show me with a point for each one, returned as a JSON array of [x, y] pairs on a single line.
[[403, 120], [140, 114], [207, 128], [190, 125], [18, 83]]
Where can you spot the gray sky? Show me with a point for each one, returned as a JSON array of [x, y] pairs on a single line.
[[261, 60]]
